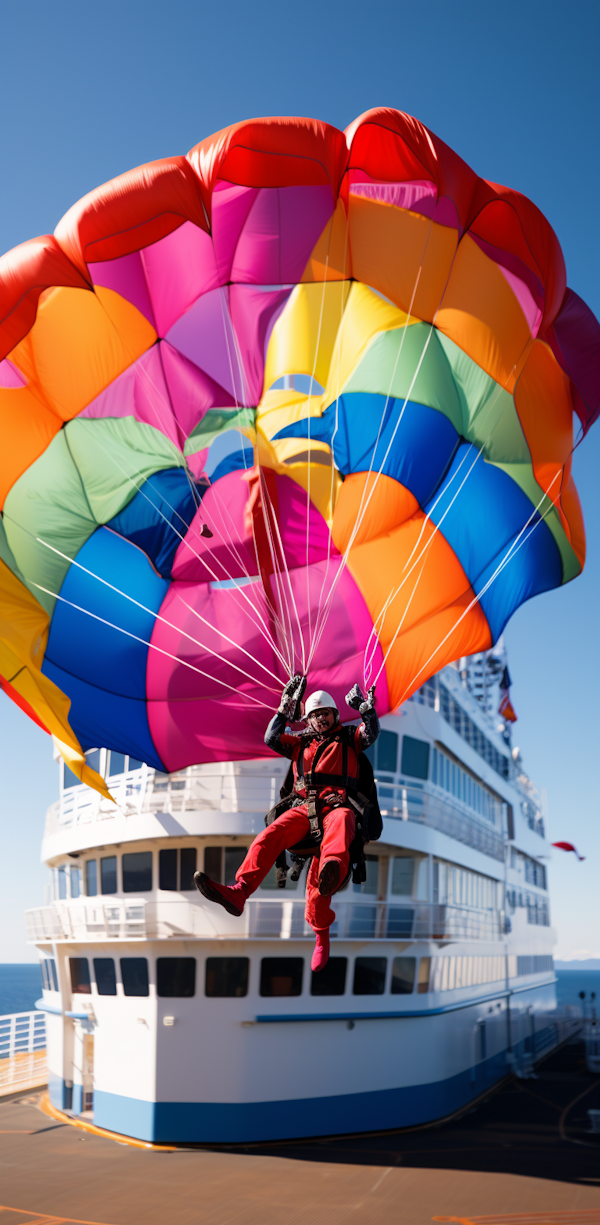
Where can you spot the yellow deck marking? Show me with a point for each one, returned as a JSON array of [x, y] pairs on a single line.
[[47, 1108]]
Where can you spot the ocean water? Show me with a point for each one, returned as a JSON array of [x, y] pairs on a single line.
[[20, 987], [572, 982]]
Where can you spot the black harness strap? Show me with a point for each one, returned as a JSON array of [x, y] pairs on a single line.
[[313, 782]]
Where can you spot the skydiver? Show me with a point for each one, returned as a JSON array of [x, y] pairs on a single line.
[[319, 804]]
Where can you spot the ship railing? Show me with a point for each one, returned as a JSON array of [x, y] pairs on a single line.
[[430, 805], [22, 1051], [277, 918], [254, 788]]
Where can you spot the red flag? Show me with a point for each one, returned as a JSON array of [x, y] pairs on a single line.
[[568, 846]]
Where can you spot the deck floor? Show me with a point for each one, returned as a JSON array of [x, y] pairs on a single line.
[[523, 1157]]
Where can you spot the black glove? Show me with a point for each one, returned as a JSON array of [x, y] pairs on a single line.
[[368, 703], [291, 697]]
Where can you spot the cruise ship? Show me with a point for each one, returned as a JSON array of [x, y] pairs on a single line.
[[170, 1021]]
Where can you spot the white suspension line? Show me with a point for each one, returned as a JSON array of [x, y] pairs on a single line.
[[516, 544], [151, 645], [405, 326], [202, 559], [165, 621]]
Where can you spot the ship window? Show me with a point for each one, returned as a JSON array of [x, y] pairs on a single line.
[[91, 877], [403, 975], [234, 858], [108, 874], [415, 757], [212, 862], [176, 977], [332, 979], [387, 751], [45, 977], [226, 977], [52, 975], [177, 865], [369, 975], [69, 779], [75, 882], [281, 975], [187, 867], [62, 883], [137, 872], [92, 759], [167, 869], [106, 978], [403, 870], [116, 764], [80, 975], [370, 884], [134, 764], [134, 973]]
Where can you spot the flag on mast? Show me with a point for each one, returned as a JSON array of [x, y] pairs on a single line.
[[506, 708]]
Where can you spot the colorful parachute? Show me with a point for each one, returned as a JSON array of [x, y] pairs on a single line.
[[302, 399]]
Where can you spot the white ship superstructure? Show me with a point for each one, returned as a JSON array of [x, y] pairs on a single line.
[[169, 1020]]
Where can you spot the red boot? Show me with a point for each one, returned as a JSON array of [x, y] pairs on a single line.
[[231, 897], [320, 956]]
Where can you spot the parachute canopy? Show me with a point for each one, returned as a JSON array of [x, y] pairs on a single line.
[[301, 400]]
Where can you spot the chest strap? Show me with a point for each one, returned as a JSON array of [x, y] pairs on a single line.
[[313, 782]]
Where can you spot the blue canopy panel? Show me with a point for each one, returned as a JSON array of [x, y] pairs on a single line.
[[99, 660], [423, 445], [487, 516], [158, 517]]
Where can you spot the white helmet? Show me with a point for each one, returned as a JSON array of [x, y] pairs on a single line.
[[319, 700]]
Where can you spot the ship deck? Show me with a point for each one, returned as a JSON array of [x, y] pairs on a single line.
[[522, 1156]]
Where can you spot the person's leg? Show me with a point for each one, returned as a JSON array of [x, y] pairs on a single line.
[[338, 832], [288, 829], [319, 914]]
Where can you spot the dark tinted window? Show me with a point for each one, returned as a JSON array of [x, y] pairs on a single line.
[[91, 877], [387, 751], [116, 764], [108, 874], [332, 979], [415, 757], [212, 862], [176, 977], [403, 975], [137, 872], [369, 975], [80, 975], [167, 869], [53, 974], [234, 858], [134, 764], [106, 978], [281, 975], [134, 972], [187, 868], [226, 976]]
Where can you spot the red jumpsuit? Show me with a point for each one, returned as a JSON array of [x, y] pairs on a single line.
[[293, 826]]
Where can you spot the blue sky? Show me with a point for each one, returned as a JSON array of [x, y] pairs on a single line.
[[89, 91]]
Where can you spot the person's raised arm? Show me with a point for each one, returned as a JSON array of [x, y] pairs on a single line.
[[367, 731], [289, 711]]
